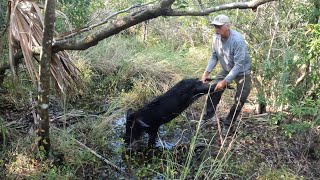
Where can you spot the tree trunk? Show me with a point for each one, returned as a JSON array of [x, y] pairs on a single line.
[[44, 85]]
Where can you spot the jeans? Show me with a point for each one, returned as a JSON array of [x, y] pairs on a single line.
[[243, 90]]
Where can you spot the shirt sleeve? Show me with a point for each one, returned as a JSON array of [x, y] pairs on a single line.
[[213, 59], [240, 49]]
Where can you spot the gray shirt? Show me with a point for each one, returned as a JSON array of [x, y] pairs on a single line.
[[232, 54]]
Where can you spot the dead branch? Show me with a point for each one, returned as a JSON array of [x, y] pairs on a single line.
[[258, 116], [163, 8], [304, 69], [98, 155], [207, 11], [88, 28]]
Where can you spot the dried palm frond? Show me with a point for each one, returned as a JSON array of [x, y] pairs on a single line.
[[25, 33]]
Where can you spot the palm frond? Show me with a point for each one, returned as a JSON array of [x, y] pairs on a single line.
[[25, 33]]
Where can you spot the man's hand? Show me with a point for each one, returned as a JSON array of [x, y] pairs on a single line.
[[205, 77], [221, 85]]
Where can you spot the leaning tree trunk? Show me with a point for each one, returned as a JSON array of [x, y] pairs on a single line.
[[44, 85]]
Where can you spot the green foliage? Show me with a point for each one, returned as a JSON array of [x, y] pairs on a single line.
[[180, 32], [247, 167], [308, 115], [5, 51], [306, 108], [117, 5], [181, 4], [4, 134], [277, 119], [313, 49], [281, 49], [282, 174], [21, 90], [296, 128], [78, 13], [3, 10], [3, 38]]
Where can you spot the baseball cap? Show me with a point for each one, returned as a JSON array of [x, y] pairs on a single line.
[[220, 20]]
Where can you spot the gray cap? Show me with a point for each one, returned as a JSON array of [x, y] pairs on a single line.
[[220, 20]]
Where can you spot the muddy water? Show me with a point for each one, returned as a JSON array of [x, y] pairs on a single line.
[[130, 160], [166, 140], [173, 140]]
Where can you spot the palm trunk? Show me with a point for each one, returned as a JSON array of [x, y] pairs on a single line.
[[44, 85]]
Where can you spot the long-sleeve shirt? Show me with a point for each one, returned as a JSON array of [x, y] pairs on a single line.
[[232, 54]]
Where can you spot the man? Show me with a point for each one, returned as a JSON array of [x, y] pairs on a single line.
[[230, 49]]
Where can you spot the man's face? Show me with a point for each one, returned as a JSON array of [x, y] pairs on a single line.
[[223, 30]]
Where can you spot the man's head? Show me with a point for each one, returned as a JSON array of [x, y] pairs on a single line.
[[221, 24]]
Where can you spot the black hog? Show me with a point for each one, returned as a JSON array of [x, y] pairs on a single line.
[[163, 109]]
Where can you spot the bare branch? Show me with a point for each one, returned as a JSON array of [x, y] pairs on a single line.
[[97, 155], [88, 28], [114, 28], [150, 12], [100, 157], [207, 11]]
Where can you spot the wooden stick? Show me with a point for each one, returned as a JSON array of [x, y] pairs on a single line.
[[257, 116], [100, 157]]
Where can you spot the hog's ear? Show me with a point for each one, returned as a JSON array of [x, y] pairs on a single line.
[[129, 113]]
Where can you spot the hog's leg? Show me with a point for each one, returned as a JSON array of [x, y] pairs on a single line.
[[153, 132]]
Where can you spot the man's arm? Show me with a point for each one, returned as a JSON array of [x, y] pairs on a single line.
[[211, 64]]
